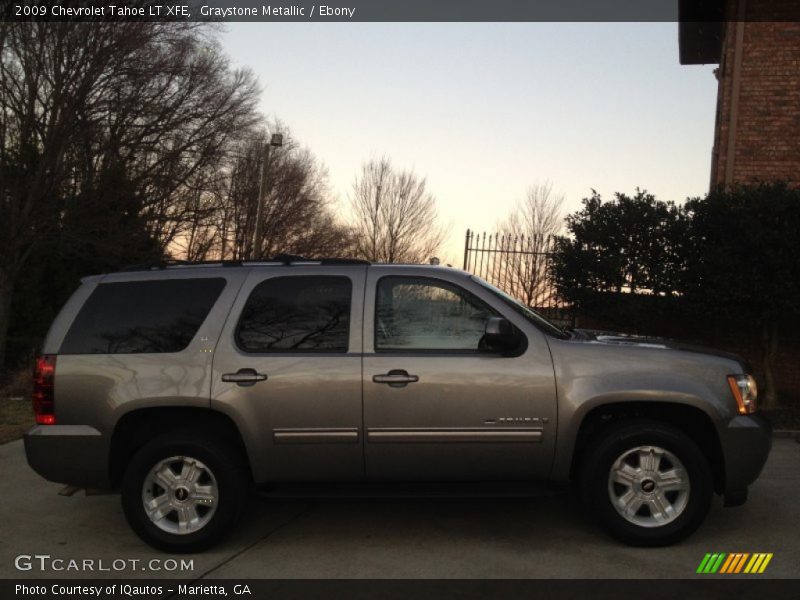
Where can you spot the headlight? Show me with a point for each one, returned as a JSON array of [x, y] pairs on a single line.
[[744, 391]]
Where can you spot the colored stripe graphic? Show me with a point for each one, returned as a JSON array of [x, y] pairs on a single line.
[[718, 563], [740, 564], [727, 564], [735, 562], [755, 562], [735, 556], [711, 562], [703, 563], [765, 563]]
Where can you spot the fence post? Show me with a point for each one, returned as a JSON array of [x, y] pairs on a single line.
[[505, 255], [466, 251]]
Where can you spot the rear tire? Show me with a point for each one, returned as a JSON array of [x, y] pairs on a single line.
[[183, 492], [647, 483]]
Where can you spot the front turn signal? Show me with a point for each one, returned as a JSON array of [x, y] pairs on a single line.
[[744, 391]]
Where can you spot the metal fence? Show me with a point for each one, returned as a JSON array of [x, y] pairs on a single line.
[[521, 266]]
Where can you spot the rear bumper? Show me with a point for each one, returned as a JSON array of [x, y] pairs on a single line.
[[71, 454], [746, 442]]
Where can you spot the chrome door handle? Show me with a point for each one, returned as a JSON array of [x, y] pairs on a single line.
[[244, 377], [395, 378]]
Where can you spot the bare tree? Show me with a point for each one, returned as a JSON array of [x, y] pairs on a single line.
[[183, 109], [529, 229], [297, 216], [50, 73], [128, 143], [107, 134], [394, 215]]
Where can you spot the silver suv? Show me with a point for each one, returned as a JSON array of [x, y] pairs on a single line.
[[185, 385]]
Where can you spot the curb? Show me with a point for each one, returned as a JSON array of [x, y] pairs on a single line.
[[787, 433]]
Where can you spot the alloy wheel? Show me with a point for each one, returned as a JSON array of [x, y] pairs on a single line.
[[180, 495], [649, 486]]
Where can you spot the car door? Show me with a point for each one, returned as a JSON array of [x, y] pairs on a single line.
[[437, 406], [287, 370]]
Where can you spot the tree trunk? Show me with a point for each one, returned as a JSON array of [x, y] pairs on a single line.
[[769, 354], [6, 289]]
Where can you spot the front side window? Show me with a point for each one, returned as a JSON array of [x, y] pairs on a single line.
[[424, 314], [142, 317], [297, 314], [530, 315]]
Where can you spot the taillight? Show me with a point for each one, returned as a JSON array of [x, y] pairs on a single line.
[[44, 379]]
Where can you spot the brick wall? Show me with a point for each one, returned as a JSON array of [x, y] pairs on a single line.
[[767, 133]]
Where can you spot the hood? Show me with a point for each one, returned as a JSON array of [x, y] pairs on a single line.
[[613, 338]]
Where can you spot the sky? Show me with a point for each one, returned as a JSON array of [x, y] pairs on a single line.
[[484, 110]]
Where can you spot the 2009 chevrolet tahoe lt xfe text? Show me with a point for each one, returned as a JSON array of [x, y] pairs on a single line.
[[184, 385]]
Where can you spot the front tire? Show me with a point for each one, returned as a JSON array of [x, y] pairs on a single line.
[[182, 492], [647, 483]]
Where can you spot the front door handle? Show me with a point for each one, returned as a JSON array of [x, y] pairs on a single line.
[[395, 378], [244, 377]]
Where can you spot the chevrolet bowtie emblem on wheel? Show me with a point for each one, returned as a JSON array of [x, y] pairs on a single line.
[[736, 562]]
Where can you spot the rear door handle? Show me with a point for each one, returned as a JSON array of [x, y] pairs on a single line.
[[395, 378], [244, 377]]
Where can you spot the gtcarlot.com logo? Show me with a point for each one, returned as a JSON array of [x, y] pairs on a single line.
[[735, 563], [45, 562]]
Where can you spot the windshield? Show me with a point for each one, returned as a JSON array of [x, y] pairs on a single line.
[[529, 314]]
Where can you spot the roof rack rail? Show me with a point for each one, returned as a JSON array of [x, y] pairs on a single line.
[[345, 261], [289, 258], [164, 264], [284, 259], [293, 258]]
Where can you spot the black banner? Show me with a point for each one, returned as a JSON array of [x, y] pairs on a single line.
[[404, 589], [695, 11]]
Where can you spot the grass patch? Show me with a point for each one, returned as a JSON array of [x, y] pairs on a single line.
[[16, 417], [16, 411]]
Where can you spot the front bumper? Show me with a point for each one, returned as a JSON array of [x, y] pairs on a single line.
[[746, 441], [71, 454]]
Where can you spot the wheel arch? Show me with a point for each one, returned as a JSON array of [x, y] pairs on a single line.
[[137, 427], [687, 418]]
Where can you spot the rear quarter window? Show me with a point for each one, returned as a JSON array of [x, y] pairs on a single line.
[[142, 317]]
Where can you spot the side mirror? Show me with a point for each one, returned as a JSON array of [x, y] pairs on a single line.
[[500, 334]]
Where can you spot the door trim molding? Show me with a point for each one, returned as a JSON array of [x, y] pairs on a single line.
[[320, 435], [458, 435]]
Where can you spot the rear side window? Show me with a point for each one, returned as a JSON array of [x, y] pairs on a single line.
[[297, 314], [138, 317]]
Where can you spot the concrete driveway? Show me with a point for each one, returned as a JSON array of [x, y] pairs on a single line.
[[547, 537]]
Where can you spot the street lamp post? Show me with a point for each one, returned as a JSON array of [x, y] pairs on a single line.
[[277, 141]]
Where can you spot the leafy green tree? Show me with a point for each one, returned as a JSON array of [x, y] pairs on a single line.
[[743, 263], [629, 244]]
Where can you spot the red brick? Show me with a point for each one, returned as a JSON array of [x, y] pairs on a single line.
[[767, 141]]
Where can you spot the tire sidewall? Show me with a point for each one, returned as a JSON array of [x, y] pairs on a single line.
[[231, 487], [612, 445]]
